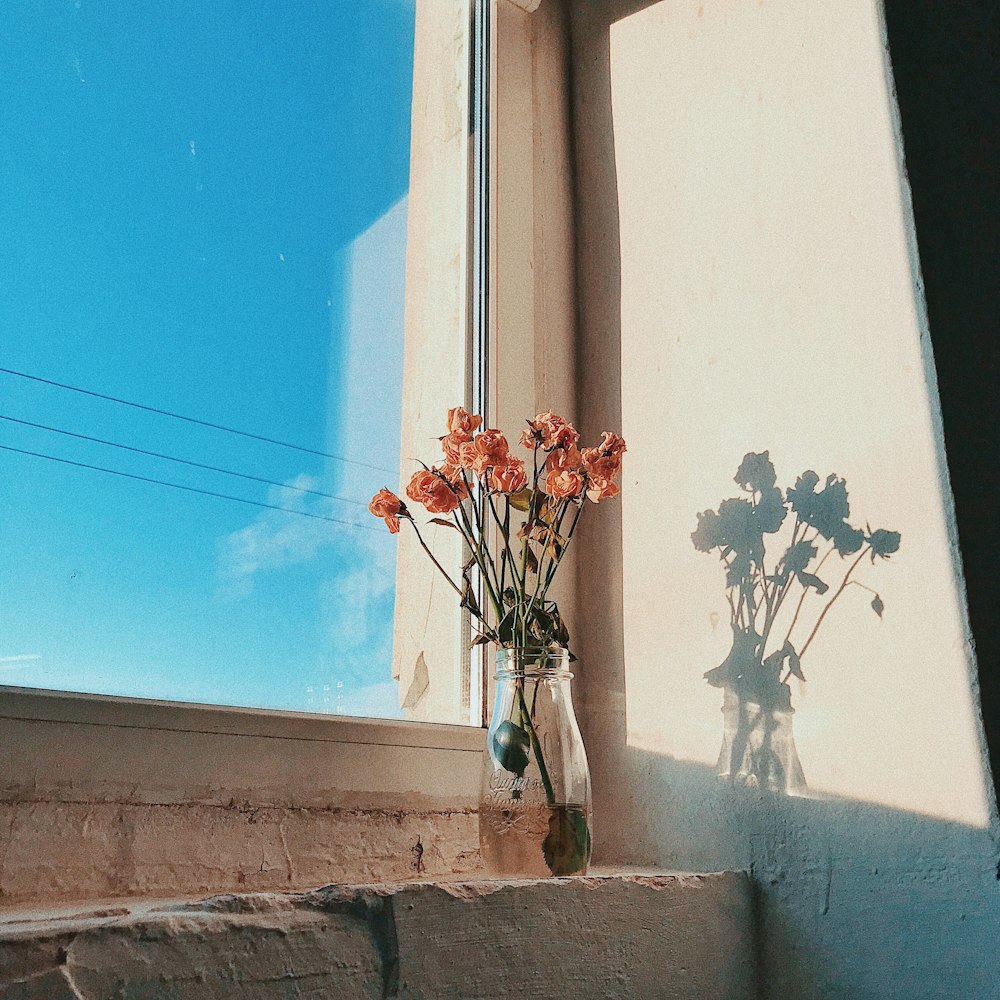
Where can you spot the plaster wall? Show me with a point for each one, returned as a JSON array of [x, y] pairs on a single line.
[[748, 281]]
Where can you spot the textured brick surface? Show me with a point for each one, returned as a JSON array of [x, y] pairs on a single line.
[[76, 850], [662, 936]]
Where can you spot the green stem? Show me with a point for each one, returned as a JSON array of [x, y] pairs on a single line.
[[543, 772], [504, 530], [562, 552], [540, 590], [433, 558], [476, 544]]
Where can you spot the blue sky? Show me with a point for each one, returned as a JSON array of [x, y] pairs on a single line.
[[194, 204]]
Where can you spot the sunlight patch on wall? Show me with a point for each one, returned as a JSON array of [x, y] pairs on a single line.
[[768, 304]]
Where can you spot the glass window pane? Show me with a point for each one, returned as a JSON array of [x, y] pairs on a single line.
[[205, 211]]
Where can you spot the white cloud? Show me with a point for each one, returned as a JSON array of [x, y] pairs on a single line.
[[275, 539], [19, 662], [354, 605], [355, 590]]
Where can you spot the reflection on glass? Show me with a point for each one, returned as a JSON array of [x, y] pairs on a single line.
[[204, 213]]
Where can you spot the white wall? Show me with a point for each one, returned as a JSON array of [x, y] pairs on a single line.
[[752, 206]]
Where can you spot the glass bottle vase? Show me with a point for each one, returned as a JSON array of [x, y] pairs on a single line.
[[534, 800]]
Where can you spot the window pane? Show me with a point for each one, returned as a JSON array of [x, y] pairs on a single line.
[[205, 212]]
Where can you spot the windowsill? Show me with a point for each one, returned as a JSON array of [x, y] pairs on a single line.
[[618, 934], [41, 705], [40, 917]]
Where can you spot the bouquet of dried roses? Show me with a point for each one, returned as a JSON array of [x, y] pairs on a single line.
[[517, 517]]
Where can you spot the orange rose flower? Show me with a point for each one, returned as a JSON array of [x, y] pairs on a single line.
[[531, 437], [467, 454], [434, 492], [488, 450], [451, 444], [564, 458], [387, 505], [562, 484], [550, 431], [492, 448], [462, 422], [601, 489], [457, 483], [509, 478], [564, 436], [605, 461], [453, 473]]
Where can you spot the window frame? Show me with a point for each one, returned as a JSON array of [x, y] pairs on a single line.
[[55, 708]]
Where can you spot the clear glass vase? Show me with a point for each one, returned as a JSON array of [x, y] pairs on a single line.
[[534, 801]]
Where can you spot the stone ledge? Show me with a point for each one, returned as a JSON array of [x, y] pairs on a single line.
[[625, 935]]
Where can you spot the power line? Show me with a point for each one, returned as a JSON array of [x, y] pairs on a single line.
[[188, 489], [182, 461], [195, 420]]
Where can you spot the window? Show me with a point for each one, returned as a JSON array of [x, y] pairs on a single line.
[[273, 790], [231, 236]]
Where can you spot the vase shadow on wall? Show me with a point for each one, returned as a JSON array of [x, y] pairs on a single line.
[[758, 745]]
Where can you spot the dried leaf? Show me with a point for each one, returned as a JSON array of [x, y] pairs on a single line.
[[548, 512], [441, 520], [811, 580], [530, 560], [505, 629], [469, 600], [521, 500]]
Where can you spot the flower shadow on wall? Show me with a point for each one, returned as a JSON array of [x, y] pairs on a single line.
[[771, 634]]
